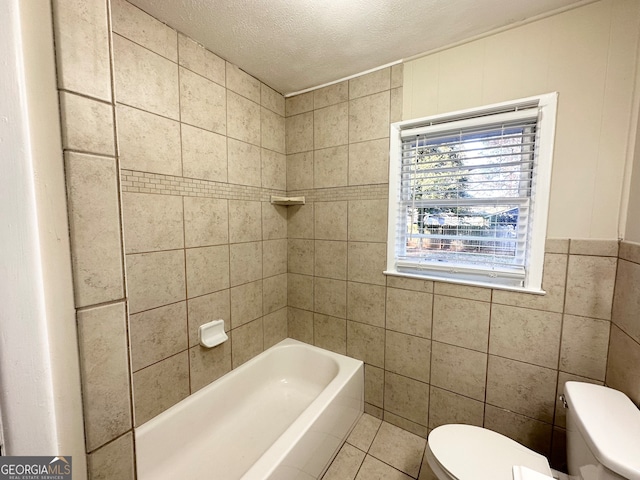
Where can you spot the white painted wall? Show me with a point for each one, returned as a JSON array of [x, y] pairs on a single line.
[[589, 56], [632, 231], [39, 371], [631, 209]]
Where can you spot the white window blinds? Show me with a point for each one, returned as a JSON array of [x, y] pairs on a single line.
[[466, 196]]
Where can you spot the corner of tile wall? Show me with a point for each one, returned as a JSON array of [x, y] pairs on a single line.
[[83, 44], [152, 171], [623, 363], [202, 240]]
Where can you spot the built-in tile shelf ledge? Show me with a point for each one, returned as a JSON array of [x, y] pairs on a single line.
[[275, 200]]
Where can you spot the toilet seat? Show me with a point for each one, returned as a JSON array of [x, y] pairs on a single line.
[[466, 452]]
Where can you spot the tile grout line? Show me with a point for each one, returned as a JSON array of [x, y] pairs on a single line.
[[112, 81]]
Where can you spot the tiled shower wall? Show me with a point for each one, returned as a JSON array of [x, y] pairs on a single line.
[[434, 353], [171, 156]]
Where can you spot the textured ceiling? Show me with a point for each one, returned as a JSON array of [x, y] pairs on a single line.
[[292, 45]]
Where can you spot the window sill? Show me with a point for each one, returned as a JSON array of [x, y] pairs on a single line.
[[470, 283]]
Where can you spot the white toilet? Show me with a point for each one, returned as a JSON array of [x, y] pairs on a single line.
[[603, 442]]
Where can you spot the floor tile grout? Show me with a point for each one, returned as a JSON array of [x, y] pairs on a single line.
[[375, 436]]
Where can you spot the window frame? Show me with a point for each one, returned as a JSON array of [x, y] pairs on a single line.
[[546, 106]]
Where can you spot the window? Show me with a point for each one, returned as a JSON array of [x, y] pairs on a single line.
[[469, 193]]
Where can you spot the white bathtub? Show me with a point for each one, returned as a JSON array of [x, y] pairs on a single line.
[[283, 415]]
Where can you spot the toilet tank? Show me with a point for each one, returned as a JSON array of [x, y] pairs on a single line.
[[603, 433]]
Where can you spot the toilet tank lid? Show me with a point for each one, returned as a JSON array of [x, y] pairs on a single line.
[[610, 425]]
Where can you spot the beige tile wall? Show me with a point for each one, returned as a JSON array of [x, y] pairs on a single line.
[[434, 353], [171, 156], [87, 112], [623, 365], [204, 150]]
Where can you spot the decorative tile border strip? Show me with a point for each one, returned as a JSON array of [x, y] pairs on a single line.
[[359, 192], [159, 184]]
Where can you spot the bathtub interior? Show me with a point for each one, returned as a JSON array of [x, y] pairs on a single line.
[[312, 453], [243, 422]]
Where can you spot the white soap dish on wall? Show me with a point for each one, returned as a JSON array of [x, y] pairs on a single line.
[[212, 334], [276, 200]]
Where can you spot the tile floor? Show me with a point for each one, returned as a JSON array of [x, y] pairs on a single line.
[[377, 450]]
